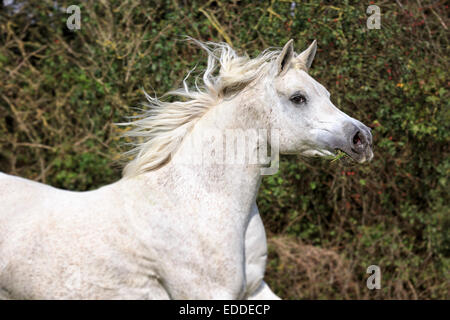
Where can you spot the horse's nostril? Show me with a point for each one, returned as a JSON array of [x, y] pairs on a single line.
[[357, 138]]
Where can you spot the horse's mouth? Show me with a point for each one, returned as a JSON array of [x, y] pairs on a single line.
[[342, 156], [352, 157]]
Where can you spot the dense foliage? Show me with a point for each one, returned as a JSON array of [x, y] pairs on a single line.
[[61, 91]]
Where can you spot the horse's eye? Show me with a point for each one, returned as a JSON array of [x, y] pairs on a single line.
[[298, 99]]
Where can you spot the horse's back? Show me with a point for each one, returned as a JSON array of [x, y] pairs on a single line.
[[30, 214], [20, 197], [58, 244], [21, 202]]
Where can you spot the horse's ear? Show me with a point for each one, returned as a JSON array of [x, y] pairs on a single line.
[[305, 59], [285, 57]]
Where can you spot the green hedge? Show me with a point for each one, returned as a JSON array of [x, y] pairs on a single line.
[[61, 91]]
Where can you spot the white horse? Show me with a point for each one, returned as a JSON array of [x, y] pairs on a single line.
[[171, 229]]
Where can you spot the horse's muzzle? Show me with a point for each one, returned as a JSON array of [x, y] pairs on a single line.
[[359, 142]]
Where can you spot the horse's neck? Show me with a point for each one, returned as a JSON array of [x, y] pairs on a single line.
[[240, 182], [237, 185]]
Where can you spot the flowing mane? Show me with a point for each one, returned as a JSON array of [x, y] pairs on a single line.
[[163, 124]]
